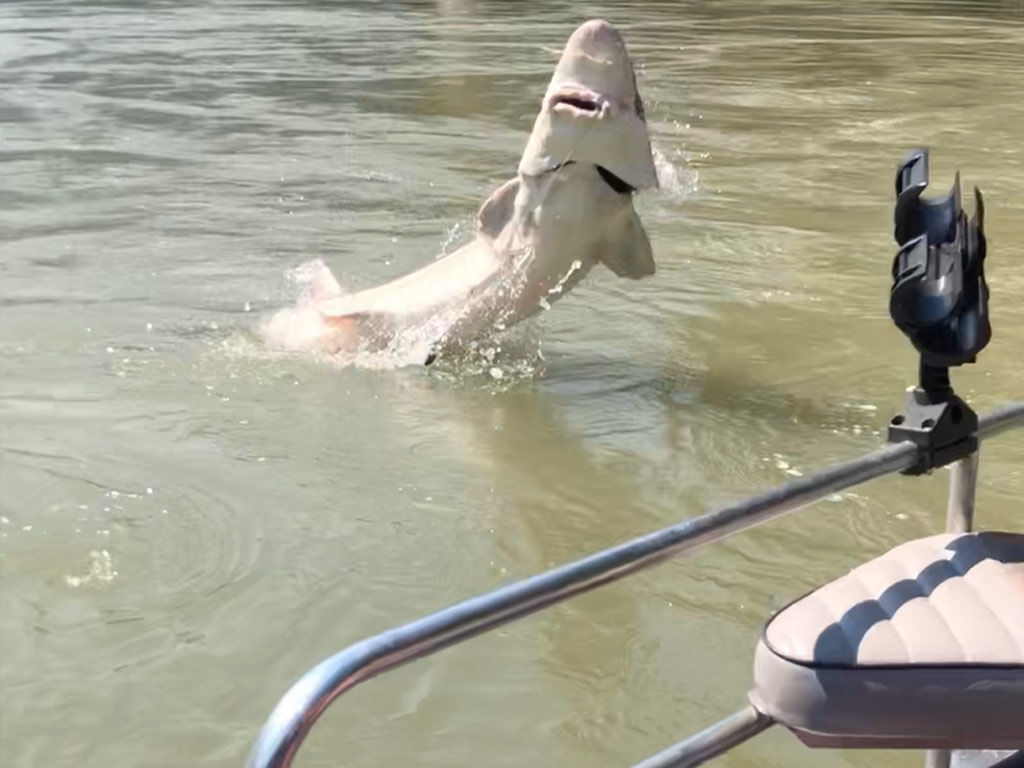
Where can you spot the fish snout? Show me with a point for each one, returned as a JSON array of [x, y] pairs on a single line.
[[597, 38], [592, 112], [595, 73]]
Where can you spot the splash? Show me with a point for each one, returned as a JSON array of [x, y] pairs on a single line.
[[303, 329], [101, 571], [497, 362], [675, 180]]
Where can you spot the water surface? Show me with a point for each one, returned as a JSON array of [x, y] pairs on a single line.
[[189, 522]]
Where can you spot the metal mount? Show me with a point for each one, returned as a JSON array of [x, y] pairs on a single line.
[[943, 431], [939, 299]]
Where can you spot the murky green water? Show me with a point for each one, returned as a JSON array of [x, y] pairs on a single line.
[[189, 522]]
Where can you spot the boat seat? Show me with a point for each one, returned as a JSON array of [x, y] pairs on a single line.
[[920, 648]]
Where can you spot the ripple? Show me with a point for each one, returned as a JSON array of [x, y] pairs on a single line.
[[129, 568]]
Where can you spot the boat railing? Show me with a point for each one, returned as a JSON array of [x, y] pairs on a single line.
[[297, 711]]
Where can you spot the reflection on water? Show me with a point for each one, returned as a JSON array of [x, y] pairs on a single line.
[[187, 521]]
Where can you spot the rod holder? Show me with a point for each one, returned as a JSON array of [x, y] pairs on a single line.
[[939, 300]]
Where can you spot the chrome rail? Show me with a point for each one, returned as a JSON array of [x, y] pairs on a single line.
[[963, 482], [712, 741], [297, 711]]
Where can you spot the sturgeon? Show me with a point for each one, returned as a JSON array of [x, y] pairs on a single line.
[[569, 207]]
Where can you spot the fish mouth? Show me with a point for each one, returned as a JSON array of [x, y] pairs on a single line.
[[577, 102]]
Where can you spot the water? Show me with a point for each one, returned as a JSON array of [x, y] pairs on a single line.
[[189, 522]]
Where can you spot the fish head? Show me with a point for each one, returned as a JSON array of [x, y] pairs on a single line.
[[592, 113]]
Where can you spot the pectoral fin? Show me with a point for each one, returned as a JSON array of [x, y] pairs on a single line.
[[497, 209], [626, 251]]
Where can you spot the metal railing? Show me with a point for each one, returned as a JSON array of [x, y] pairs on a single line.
[[299, 708]]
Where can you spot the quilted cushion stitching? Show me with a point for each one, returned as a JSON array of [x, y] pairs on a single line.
[[997, 621], [896, 630], [950, 622], [938, 545], [945, 619], [834, 619], [869, 595], [951, 625]]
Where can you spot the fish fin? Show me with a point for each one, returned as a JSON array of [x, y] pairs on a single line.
[[497, 209], [323, 286], [627, 251]]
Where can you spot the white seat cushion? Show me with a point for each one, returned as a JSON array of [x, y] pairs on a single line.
[[922, 647]]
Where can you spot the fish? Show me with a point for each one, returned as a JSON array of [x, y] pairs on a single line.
[[569, 207]]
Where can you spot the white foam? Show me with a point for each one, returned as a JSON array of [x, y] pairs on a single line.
[[302, 329], [675, 181]]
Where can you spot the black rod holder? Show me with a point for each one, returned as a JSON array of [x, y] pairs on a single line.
[[939, 300]]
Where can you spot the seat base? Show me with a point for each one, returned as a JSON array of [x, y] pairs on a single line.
[[987, 758]]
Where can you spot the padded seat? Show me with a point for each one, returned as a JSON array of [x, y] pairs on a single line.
[[920, 648]]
